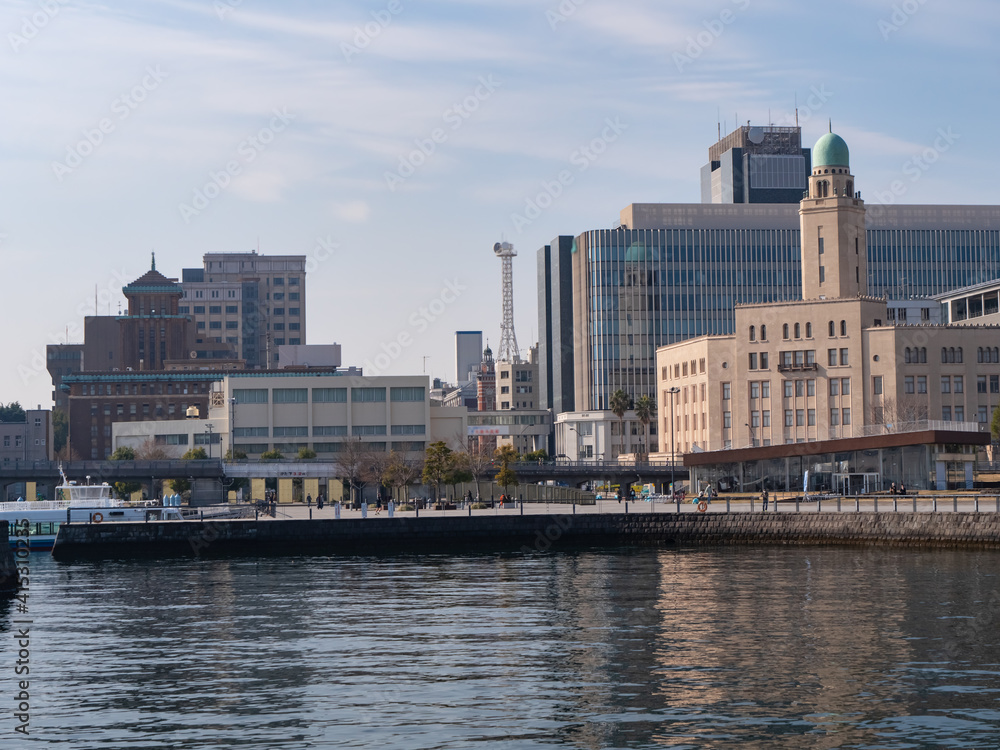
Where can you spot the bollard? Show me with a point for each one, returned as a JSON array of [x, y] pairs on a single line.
[[256, 515], [679, 504], [954, 503], [977, 503], [574, 507], [727, 505], [797, 504], [819, 504], [310, 515], [751, 503], [470, 510], [838, 503], [895, 505], [876, 503], [934, 505], [857, 504], [914, 503], [522, 507], [626, 507], [336, 510]]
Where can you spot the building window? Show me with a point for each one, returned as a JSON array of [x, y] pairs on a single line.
[[753, 333], [846, 417], [959, 383], [922, 384], [843, 328], [789, 418], [754, 389], [727, 420], [753, 360], [834, 387], [834, 417], [800, 388], [765, 418], [810, 387], [908, 384], [845, 386], [727, 391], [800, 417], [407, 394], [215, 309], [755, 419], [797, 331], [945, 384], [763, 360], [946, 413], [833, 329], [784, 331], [994, 383], [250, 395], [981, 384], [809, 330], [765, 389], [788, 388], [763, 334], [831, 357], [232, 309], [811, 416], [844, 357], [329, 395], [822, 274], [959, 413], [367, 395], [982, 415]]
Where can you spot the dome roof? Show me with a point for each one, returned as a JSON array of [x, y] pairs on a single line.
[[831, 151]]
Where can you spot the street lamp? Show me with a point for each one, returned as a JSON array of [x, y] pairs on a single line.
[[753, 437], [673, 461], [208, 429]]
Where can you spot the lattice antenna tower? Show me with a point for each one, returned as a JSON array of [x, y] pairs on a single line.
[[508, 340]]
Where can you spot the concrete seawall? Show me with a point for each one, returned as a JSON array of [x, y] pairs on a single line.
[[529, 532]]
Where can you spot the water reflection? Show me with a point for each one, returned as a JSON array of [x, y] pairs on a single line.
[[751, 648]]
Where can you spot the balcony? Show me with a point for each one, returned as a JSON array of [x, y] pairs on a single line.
[[798, 367]]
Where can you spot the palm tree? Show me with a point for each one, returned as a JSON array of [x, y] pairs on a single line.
[[645, 410], [620, 403]]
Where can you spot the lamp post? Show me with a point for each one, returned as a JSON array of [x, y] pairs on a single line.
[[673, 462], [208, 429], [753, 437]]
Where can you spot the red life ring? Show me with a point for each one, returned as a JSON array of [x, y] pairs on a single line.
[[702, 506], [97, 517]]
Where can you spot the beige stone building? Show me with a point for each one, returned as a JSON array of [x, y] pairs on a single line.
[[832, 366]]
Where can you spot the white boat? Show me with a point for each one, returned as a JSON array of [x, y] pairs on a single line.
[[38, 521]]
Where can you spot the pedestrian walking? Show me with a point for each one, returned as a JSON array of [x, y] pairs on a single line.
[[309, 500], [763, 499], [319, 501]]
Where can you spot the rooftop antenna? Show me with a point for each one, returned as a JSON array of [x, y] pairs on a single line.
[[796, 109], [718, 121]]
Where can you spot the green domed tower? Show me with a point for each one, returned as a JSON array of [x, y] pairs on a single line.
[[832, 220]]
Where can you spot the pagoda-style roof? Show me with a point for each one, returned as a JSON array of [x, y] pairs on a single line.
[[153, 282]]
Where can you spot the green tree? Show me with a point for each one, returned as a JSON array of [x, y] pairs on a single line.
[[124, 490], [180, 486], [306, 453], [645, 411], [437, 463], [506, 477], [401, 473], [620, 403], [235, 455], [272, 455], [60, 429], [12, 412], [995, 429], [539, 455]]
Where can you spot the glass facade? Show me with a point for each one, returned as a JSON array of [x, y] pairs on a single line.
[[647, 288]]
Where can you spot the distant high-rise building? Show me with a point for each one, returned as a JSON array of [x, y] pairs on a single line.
[[253, 302], [468, 354], [756, 164]]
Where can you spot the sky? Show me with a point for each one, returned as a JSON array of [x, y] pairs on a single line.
[[393, 142]]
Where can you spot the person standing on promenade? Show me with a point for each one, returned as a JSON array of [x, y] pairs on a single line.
[[319, 501], [763, 499], [309, 500]]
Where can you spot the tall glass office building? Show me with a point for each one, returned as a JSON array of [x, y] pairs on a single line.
[[675, 271]]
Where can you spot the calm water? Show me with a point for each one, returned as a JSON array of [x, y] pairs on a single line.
[[725, 648]]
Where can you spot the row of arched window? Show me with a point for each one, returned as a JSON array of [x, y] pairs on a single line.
[[916, 355], [796, 330], [987, 354]]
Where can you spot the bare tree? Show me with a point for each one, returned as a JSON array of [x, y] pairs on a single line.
[[350, 464], [150, 451], [480, 463], [402, 472], [894, 412], [375, 466]]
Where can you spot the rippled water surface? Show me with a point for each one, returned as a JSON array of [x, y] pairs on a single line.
[[722, 648]]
